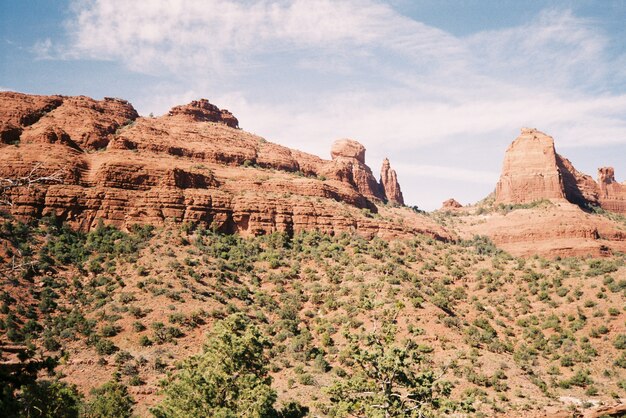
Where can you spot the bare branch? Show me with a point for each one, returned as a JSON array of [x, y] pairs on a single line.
[[32, 178]]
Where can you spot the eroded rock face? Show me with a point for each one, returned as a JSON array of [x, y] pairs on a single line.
[[349, 158], [89, 124], [182, 167], [348, 149], [203, 111], [612, 195], [532, 171], [390, 185]]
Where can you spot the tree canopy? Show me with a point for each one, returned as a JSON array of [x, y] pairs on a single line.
[[228, 379], [390, 379]]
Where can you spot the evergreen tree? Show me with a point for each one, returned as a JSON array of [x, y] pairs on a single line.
[[111, 400], [390, 379], [228, 380]]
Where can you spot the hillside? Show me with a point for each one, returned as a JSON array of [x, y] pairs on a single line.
[[513, 335]]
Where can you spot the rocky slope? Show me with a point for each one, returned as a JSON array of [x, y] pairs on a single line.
[[192, 164]]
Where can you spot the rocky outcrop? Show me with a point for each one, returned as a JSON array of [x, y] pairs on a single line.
[[450, 204], [558, 229], [349, 157], [389, 183], [189, 165], [203, 111], [532, 170], [612, 195], [89, 123], [579, 188], [560, 226]]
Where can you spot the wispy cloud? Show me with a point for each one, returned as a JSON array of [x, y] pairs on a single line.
[[212, 35], [43, 50]]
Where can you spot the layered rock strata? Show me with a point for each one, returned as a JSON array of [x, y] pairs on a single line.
[[192, 164], [611, 194]]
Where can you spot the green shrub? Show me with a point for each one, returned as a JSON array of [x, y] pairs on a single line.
[[620, 342], [110, 400], [105, 347]]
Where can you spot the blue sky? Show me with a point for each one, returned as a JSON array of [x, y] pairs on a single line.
[[441, 87]]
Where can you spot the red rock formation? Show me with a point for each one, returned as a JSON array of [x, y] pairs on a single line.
[[203, 111], [190, 165], [559, 229], [87, 123], [612, 195], [450, 204], [349, 154], [389, 183], [532, 171], [579, 188]]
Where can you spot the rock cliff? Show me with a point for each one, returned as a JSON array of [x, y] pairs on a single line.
[[554, 219], [349, 157], [192, 164], [532, 170], [612, 195]]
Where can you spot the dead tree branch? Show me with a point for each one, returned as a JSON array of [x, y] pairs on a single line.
[[33, 177]]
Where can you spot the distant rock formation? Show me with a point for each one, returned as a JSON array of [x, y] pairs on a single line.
[[389, 183], [612, 195], [189, 165], [203, 111], [350, 154], [450, 204], [532, 170]]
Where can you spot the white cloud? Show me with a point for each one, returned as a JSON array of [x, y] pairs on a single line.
[[43, 49], [211, 35]]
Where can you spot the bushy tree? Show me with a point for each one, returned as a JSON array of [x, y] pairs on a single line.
[[51, 399], [110, 400], [390, 379], [228, 380], [23, 394]]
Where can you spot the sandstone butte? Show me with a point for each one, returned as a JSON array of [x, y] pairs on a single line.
[[191, 165], [553, 216], [532, 171]]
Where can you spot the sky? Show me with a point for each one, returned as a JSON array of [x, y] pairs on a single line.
[[440, 87]]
